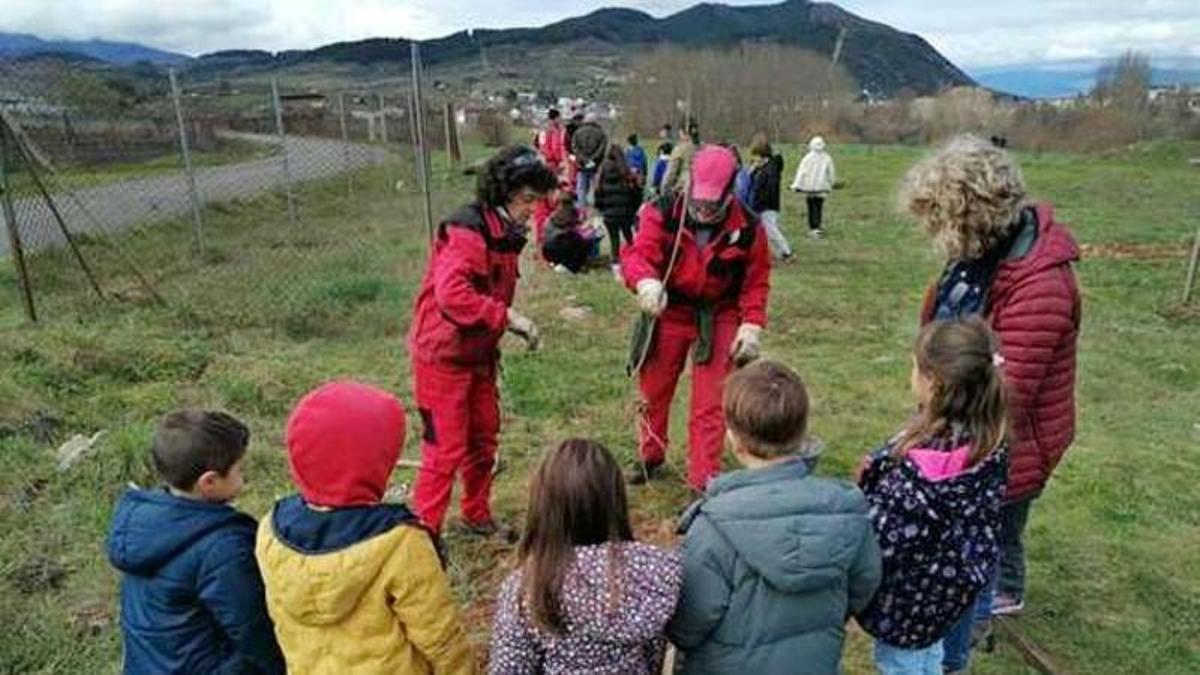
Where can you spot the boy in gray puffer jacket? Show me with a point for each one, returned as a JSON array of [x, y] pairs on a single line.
[[775, 560]]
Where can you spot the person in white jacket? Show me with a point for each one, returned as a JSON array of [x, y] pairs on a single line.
[[815, 178]]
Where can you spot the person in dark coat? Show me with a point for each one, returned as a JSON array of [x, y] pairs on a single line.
[[774, 559], [618, 197], [192, 599], [766, 174], [1009, 261], [589, 144], [569, 243]]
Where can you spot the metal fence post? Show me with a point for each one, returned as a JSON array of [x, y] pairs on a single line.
[[345, 145], [197, 217], [287, 170], [422, 151], [382, 119]]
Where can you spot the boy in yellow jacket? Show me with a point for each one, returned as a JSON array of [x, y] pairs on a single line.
[[354, 585]]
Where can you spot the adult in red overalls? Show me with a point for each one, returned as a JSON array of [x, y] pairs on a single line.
[[552, 142], [461, 312], [712, 302]]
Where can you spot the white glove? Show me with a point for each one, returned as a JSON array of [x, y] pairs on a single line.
[[522, 327], [652, 297], [747, 345]]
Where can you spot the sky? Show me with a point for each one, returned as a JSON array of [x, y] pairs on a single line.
[[974, 35]]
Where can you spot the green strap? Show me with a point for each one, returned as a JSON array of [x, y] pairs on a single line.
[[703, 351]]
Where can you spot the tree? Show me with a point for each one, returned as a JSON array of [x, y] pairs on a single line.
[[733, 93], [1124, 82]]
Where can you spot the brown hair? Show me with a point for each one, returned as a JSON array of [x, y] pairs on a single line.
[[958, 357], [577, 498], [766, 406], [565, 215], [760, 146], [189, 443]]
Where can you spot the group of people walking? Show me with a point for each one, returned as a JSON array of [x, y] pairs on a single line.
[[920, 548]]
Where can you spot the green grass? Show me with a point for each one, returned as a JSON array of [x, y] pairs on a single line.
[[1114, 576]]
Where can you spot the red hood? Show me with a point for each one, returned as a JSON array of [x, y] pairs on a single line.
[[1055, 246]]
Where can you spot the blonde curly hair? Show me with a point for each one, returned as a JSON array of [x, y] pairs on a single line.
[[966, 196]]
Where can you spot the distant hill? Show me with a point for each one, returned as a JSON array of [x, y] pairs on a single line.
[[882, 59], [16, 45], [1059, 79]]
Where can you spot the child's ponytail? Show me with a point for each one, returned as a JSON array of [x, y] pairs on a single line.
[[961, 359]]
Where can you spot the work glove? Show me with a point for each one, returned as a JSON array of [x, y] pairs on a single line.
[[747, 344], [652, 297], [522, 327]]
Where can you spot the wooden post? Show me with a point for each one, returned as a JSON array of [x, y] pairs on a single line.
[[193, 196], [62, 223], [283, 151], [422, 149], [1192, 265], [15, 248], [453, 148], [345, 145]]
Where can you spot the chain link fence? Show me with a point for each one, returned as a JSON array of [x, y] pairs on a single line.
[[222, 200]]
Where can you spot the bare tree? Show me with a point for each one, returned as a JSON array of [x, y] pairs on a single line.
[[1124, 82], [736, 92]]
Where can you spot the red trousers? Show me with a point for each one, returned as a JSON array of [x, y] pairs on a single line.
[[460, 413], [660, 373]]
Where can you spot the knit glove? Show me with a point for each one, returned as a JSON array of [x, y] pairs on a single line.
[[747, 345], [652, 297], [522, 327]]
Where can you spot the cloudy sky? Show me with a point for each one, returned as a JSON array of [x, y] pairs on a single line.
[[972, 34]]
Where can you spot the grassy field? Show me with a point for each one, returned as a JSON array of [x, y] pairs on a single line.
[[1114, 575]]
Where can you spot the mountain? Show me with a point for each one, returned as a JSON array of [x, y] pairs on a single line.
[[117, 53], [882, 59], [1060, 79]]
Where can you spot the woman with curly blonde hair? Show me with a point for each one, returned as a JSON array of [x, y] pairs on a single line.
[[1009, 261]]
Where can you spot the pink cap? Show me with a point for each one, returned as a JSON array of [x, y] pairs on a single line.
[[712, 172]]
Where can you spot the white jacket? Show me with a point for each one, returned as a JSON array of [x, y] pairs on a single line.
[[815, 173]]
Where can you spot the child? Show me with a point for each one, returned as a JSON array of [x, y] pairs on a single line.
[[354, 585], [635, 157], [766, 173], [815, 178], [618, 196], [569, 243], [191, 595], [774, 559], [586, 597], [951, 460], [660, 166]]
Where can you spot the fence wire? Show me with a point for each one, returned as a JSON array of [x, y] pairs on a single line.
[[288, 189]]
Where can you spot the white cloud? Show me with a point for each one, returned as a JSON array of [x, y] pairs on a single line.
[[970, 34]]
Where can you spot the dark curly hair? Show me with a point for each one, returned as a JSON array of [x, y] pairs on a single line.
[[509, 171]]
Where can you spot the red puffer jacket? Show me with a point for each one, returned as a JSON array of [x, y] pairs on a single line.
[[461, 311], [731, 273], [1034, 308]]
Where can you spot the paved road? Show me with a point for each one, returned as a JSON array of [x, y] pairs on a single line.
[[140, 201]]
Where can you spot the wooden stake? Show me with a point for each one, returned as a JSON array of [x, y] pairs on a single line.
[[62, 223], [1033, 654], [1191, 275], [14, 234]]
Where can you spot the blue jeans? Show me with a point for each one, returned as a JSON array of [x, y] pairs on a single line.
[[896, 661], [583, 183]]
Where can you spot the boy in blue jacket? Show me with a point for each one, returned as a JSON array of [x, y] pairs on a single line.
[[775, 560], [191, 596]]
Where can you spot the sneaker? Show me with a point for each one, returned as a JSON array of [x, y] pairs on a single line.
[[490, 529], [643, 473], [561, 269], [1007, 604], [616, 272], [787, 258], [817, 233]]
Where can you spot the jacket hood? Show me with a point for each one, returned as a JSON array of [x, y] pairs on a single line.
[[1054, 247], [649, 582], [151, 527], [330, 558], [761, 513], [817, 144]]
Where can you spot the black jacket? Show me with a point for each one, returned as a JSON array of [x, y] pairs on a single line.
[[616, 198], [764, 184]]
